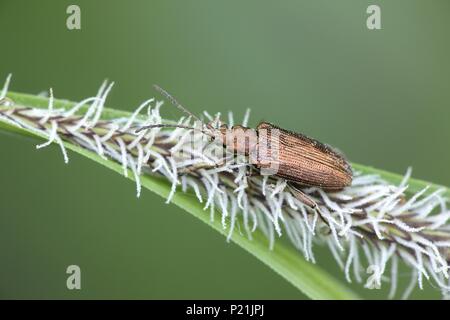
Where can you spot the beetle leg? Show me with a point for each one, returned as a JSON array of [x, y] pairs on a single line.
[[307, 200], [252, 171], [193, 168]]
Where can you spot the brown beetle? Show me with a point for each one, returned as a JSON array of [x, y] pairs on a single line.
[[301, 160]]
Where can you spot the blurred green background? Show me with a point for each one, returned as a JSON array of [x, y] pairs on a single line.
[[311, 66]]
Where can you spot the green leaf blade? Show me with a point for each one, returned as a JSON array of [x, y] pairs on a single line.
[[283, 259]]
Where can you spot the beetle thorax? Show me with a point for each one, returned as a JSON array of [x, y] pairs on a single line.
[[238, 139]]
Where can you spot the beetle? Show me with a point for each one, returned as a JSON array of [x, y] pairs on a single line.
[[301, 160]]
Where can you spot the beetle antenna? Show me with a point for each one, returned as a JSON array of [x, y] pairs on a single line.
[[178, 105], [172, 126]]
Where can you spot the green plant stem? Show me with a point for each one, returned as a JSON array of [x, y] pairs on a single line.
[[283, 259]]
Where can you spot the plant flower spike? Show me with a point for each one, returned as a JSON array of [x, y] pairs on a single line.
[[372, 226]]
